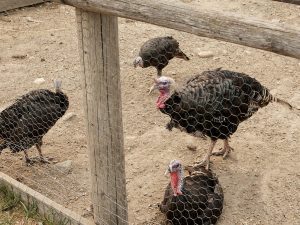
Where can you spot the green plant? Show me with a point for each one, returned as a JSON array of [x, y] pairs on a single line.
[[50, 220], [10, 199], [30, 210]]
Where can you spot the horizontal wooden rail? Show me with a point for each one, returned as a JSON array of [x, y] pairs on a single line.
[[13, 4], [296, 2], [266, 35]]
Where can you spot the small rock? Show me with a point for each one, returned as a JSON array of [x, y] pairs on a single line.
[[68, 116], [191, 147], [205, 54], [29, 19], [61, 43], [19, 56], [275, 20], [39, 81], [65, 166], [43, 59], [173, 73]]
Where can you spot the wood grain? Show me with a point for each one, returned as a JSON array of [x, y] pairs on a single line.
[[99, 53], [14, 4], [252, 32], [296, 2]]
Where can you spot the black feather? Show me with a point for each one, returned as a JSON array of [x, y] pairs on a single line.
[[158, 51], [201, 202], [215, 102], [24, 123]]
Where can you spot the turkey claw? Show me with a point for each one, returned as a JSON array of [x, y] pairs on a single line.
[[223, 152]]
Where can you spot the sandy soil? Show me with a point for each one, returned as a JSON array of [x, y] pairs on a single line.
[[261, 178]]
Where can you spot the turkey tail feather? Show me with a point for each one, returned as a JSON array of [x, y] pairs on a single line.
[[57, 85], [181, 55], [284, 103]]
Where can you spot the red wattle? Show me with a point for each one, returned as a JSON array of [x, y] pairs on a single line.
[[174, 182], [160, 102]]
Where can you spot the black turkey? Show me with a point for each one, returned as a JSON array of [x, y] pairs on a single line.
[[24, 123], [157, 52], [213, 104], [193, 200]]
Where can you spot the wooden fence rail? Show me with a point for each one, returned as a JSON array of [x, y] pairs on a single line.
[[266, 35], [13, 4], [296, 2]]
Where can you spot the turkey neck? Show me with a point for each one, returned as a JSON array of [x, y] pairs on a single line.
[[164, 94], [177, 182]]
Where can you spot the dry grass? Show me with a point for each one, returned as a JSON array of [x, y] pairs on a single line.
[[15, 212]]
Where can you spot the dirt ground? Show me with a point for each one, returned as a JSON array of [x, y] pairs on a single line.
[[261, 178]]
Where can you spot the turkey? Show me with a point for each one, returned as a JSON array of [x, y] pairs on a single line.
[[24, 123], [194, 200], [157, 52], [212, 104]]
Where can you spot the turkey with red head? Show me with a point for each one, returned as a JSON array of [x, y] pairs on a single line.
[[24, 123], [196, 199], [157, 52], [213, 104]]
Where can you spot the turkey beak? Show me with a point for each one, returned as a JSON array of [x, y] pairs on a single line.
[[168, 171], [155, 86]]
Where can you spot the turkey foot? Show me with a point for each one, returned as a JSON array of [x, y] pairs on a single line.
[[224, 151], [44, 160], [206, 159], [204, 162], [29, 162], [41, 157]]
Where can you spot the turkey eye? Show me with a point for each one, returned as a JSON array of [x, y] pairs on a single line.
[[164, 82]]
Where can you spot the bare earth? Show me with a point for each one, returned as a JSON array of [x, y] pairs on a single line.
[[261, 178]]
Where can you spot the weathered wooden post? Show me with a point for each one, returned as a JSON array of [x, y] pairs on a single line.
[[99, 52]]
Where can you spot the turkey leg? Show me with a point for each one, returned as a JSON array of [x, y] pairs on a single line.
[[224, 151], [28, 161], [206, 159], [159, 72], [38, 146]]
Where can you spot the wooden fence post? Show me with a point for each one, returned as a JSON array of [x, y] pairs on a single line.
[[99, 53]]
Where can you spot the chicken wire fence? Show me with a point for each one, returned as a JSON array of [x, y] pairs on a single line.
[[209, 105]]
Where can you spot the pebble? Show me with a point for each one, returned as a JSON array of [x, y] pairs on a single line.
[[19, 56], [205, 54], [64, 167], [29, 19], [191, 147], [248, 52], [39, 81]]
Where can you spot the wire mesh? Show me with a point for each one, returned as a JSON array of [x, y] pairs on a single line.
[[195, 199], [148, 145]]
